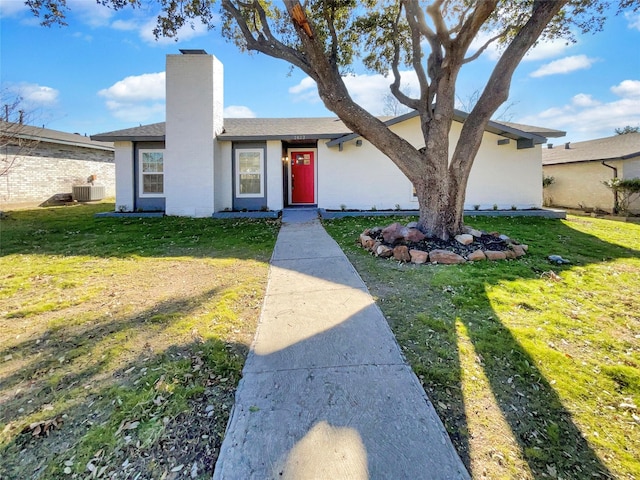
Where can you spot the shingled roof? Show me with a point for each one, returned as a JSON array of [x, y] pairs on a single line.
[[243, 129], [28, 132], [608, 148]]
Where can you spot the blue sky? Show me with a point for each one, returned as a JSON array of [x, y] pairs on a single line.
[[105, 71]]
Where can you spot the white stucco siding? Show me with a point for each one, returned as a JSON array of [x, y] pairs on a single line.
[[274, 178], [124, 176], [363, 178], [190, 127], [504, 176], [223, 178], [360, 178]]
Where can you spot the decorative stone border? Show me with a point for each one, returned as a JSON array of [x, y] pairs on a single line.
[[396, 241]]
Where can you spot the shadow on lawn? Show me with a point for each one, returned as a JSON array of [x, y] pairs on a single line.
[[78, 371], [547, 438]]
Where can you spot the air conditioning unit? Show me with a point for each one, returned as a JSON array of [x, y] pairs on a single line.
[[87, 193]]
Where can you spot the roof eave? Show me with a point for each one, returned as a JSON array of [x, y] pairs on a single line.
[[128, 138], [58, 141], [524, 139], [252, 138]]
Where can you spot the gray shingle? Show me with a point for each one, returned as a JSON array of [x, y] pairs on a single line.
[[29, 132], [608, 148]]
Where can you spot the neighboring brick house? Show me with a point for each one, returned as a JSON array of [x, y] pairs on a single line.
[[38, 164], [579, 170]]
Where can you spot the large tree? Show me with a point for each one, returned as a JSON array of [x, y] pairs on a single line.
[[324, 38]]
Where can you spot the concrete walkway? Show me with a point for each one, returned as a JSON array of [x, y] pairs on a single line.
[[326, 393]]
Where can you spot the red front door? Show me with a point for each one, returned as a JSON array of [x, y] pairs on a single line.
[[302, 177]]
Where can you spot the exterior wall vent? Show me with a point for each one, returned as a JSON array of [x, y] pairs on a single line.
[[88, 193]]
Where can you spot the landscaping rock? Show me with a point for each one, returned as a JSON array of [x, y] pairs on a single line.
[[465, 239], [414, 235], [472, 231], [366, 241], [518, 250], [401, 253], [384, 251], [510, 254], [445, 257], [525, 247], [412, 225], [394, 232], [494, 255], [476, 256], [418, 256], [375, 246], [504, 238]]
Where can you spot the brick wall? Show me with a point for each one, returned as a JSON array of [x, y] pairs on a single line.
[[50, 169]]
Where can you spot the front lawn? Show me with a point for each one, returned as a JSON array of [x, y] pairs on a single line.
[[122, 339], [533, 368]]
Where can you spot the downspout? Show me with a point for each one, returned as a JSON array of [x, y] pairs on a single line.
[[615, 192]]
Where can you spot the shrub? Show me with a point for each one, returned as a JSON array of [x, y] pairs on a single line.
[[547, 181], [627, 191]]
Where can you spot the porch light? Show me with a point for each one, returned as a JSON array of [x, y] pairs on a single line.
[[285, 159]]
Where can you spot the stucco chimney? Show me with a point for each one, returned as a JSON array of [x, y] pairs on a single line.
[[549, 146], [194, 109], [566, 146]]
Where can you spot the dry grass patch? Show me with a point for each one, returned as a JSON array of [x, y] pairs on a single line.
[[123, 341]]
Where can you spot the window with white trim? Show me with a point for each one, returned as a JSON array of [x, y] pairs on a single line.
[[249, 172], [151, 173]]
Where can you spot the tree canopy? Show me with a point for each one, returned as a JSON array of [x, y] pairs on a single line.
[[327, 38]]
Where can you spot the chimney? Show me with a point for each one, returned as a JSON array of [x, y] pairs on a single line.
[[566, 146], [194, 104], [549, 146]]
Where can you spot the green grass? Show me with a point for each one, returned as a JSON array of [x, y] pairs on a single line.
[[132, 332], [531, 376]]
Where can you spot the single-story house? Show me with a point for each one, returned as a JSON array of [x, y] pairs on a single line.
[[198, 163], [580, 169], [38, 164]]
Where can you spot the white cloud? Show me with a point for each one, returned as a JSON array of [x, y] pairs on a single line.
[[10, 8], [548, 49], [634, 20], [187, 32], [136, 112], [34, 96], [586, 118], [368, 90], [125, 25], [544, 50], [138, 98], [584, 100], [564, 65], [238, 111], [148, 86], [91, 13], [627, 88]]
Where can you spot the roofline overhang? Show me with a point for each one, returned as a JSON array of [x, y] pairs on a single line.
[[524, 139], [38, 138], [609, 159], [128, 138], [254, 138]]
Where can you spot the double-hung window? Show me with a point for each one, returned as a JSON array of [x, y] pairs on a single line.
[[249, 172], [151, 173]]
